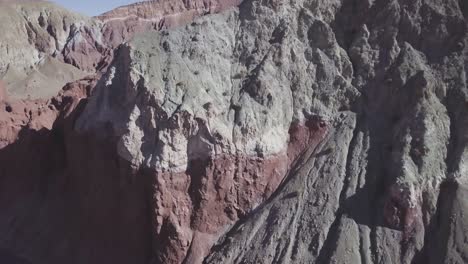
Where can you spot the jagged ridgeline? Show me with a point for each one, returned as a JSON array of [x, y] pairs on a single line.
[[229, 131]]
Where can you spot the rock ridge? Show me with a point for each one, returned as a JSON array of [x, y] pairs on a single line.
[[271, 132]]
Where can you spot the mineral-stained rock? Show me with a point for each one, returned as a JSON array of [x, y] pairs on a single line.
[[124, 22], [273, 132], [40, 38], [406, 142], [44, 46], [156, 10]]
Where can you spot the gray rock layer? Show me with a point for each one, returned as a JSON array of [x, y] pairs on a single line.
[[376, 197], [390, 78], [386, 183]]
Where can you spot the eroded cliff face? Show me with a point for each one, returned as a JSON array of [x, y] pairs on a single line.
[[149, 15], [272, 132], [375, 198], [45, 46]]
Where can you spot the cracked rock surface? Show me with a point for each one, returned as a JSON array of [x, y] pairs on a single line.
[[273, 131]]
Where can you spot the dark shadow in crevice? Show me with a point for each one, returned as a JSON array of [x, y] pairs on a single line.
[[7, 257], [438, 231]]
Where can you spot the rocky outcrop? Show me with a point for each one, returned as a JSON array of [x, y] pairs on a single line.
[[157, 10], [275, 132], [375, 198], [34, 34], [40, 38], [156, 15]]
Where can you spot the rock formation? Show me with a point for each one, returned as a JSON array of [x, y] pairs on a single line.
[[225, 132], [40, 39]]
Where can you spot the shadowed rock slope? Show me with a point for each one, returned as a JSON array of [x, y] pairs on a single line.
[[273, 132]]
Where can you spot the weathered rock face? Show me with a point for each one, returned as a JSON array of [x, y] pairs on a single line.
[[275, 132], [374, 198], [150, 15], [40, 39], [157, 10], [34, 34]]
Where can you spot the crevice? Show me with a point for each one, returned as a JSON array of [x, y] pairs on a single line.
[[455, 100], [363, 252], [349, 159], [150, 207], [438, 234], [332, 235], [329, 244]]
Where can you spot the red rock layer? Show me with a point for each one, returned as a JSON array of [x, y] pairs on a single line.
[[87, 54], [193, 208], [102, 201], [122, 23], [157, 9], [16, 116], [402, 211], [35, 115], [68, 198], [90, 46], [132, 215], [209, 196]]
